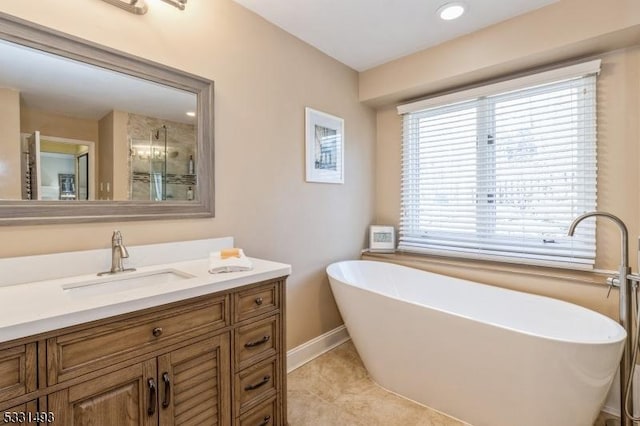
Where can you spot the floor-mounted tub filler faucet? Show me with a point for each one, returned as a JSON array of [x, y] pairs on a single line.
[[118, 252], [625, 281]]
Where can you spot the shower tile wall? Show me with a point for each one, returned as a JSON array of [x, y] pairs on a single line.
[[181, 144]]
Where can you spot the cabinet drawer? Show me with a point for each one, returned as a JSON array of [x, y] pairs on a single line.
[[256, 341], [256, 301], [80, 352], [255, 383], [266, 414], [17, 371]]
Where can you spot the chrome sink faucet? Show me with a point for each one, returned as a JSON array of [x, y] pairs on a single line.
[[118, 252]]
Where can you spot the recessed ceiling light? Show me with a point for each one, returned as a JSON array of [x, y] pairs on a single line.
[[451, 11], [191, 114]]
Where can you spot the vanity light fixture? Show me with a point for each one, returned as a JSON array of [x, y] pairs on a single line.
[[191, 113], [139, 7], [451, 11], [180, 4]]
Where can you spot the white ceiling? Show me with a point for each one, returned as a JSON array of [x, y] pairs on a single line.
[[365, 33], [63, 86]]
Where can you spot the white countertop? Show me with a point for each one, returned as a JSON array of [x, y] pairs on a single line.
[[42, 306]]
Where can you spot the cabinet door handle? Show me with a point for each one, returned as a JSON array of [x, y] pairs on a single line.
[[262, 382], [157, 332], [167, 390], [152, 397], [265, 421], [258, 301], [262, 341]]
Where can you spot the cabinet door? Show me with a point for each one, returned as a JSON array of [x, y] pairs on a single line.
[[17, 371], [194, 381], [127, 397]]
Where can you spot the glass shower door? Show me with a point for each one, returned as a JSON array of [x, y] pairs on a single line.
[[149, 166]]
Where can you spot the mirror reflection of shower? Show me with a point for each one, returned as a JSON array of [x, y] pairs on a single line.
[[158, 164], [161, 167], [148, 166]]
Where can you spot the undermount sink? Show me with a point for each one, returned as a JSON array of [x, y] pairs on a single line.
[[124, 281]]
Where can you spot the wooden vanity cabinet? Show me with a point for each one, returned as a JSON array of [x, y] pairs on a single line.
[[259, 356], [194, 384], [188, 386], [90, 348], [213, 360], [118, 398], [18, 371]]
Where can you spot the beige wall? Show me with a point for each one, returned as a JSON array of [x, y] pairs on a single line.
[[10, 146], [120, 189], [264, 78], [57, 125], [62, 148], [618, 190], [105, 156], [563, 30]]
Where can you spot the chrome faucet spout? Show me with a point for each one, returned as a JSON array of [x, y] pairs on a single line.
[[118, 252], [119, 246], [624, 234], [123, 252]]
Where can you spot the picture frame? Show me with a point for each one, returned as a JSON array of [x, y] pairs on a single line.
[[324, 147], [67, 185]]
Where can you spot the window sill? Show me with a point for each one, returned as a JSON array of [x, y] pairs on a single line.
[[422, 261]]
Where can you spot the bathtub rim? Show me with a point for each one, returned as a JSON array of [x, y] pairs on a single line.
[[614, 339]]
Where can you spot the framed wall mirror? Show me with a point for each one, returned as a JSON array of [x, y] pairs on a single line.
[[88, 133]]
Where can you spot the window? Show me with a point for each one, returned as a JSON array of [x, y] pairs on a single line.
[[499, 172]]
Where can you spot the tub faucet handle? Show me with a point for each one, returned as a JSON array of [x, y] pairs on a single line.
[[613, 282]]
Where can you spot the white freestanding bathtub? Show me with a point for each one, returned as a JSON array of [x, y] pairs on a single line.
[[486, 355]]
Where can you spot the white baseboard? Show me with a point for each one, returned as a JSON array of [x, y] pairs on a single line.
[[312, 349]]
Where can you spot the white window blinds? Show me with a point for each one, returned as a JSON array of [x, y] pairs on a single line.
[[502, 175]]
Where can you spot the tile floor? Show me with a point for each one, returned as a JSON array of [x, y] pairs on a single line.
[[335, 390]]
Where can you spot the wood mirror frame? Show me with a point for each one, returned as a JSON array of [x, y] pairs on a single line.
[[29, 212]]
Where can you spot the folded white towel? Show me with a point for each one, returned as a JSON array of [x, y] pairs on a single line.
[[230, 264]]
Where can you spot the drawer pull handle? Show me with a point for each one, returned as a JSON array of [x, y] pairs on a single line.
[[265, 421], [167, 390], [263, 382], [157, 332], [255, 343], [259, 301], [152, 397]]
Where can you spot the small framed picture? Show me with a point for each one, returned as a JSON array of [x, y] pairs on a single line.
[[67, 185], [324, 141]]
